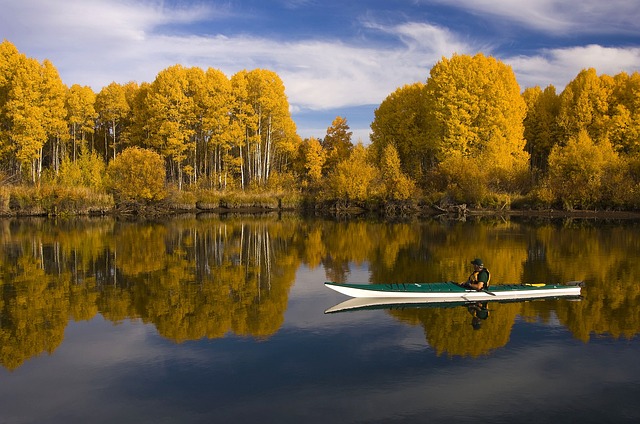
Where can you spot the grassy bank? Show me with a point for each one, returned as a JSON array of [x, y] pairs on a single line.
[[57, 201], [82, 201]]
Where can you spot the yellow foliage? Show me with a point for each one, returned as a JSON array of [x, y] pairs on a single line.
[[463, 179], [576, 170], [314, 158], [352, 178], [87, 171], [400, 120], [137, 175], [206, 277], [474, 103], [396, 185], [583, 106], [337, 143], [112, 107]]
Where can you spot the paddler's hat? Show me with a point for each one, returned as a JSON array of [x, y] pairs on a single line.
[[477, 261]]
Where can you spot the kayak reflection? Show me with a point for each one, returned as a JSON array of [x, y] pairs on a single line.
[[396, 303], [464, 328]]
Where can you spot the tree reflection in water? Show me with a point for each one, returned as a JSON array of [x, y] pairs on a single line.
[[205, 277]]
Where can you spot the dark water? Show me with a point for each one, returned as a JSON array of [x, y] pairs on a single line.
[[218, 320]]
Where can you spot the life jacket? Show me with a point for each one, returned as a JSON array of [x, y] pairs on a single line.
[[475, 274], [486, 285]]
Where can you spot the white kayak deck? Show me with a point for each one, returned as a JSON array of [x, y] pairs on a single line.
[[449, 291]]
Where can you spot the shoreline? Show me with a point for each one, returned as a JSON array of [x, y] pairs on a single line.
[[157, 211]]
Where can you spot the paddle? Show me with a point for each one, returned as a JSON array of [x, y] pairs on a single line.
[[488, 292], [483, 290]]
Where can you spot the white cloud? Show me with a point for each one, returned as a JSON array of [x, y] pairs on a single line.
[[95, 42], [558, 16], [123, 43], [559, 66]]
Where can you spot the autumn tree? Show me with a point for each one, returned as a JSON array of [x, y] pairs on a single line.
[[577, 169], [138, 132], [584, 103], [337, 143], [10, 61], [269, 133], [474, 109], [395, 184], [540, 124], [242, 125], [172, 117], [624, 114], [81, 115], [214, 103], [32, 110], [113, 109], [400, 121], [311, 158], [55, 113], [352, 179], [26, 118]]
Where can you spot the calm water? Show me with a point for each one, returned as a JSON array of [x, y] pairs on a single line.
[[218, 320]]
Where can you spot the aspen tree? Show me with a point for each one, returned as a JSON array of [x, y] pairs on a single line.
[[81, 115], [474, 109], [400, 120], [540, 125], [337, 143], [112, 108], [583, 106], [172, 117], [269, 131], [314, 158], [55, 115], [27, 116]]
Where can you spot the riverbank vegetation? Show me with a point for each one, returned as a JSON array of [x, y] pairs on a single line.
[[195, 139]]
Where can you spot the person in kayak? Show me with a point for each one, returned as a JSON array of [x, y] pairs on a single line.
[[479, 278]]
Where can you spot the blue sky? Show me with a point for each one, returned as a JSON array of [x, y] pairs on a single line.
[[335, 57]]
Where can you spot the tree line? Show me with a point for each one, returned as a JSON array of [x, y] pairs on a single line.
[[468, 134], [202, 124]]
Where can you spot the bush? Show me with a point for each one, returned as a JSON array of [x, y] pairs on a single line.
[[137, 176], [5, 197], [180, 199], [87, 171], [539, 198], [73, 200], [462, 179], [53, 200], [577, 171]]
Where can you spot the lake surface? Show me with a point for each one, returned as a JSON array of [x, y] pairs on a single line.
[[214, 319]]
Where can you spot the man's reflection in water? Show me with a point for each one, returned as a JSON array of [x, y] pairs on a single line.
[[479, 312]]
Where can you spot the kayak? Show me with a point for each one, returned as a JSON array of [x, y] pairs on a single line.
[[399, 303], [452, 292]]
